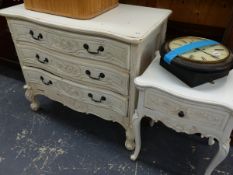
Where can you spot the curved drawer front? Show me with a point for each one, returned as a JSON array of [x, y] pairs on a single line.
[[199, 115], [75, 69], [94, 48], [87, 97]]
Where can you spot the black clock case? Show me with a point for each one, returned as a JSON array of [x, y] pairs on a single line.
[[195, 74]]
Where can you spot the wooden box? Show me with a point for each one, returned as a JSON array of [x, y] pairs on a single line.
[[81, 9]]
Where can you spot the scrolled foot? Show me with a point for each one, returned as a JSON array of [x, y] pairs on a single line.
[[130, 144], [35, 105], [133, 157]]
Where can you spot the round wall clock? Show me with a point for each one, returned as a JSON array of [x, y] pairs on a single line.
[[196, 60]]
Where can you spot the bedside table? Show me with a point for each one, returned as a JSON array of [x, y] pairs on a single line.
[[206, 109], [88, 65]]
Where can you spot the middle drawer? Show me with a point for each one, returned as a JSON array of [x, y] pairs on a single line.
[[75, 69]]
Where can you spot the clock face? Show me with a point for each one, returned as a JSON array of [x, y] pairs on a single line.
[[210, 54]]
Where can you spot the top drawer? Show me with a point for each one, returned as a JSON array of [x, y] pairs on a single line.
[[200, 115], [100, 49]]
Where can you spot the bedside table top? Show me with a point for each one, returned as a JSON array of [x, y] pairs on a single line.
[[219, 93], [125, 22]]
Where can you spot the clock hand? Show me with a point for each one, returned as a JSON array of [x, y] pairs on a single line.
[[207, 53]]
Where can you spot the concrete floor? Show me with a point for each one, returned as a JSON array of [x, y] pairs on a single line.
[[59, 141]]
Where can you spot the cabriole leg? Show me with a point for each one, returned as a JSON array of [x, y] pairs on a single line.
[[219, 157], [129, 143], [137, 132], [35, 105]]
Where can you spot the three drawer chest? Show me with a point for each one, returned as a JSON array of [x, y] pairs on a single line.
[[88, 65]]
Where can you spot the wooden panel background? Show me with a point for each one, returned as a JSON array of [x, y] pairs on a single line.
[[214, 13], [228, 37]]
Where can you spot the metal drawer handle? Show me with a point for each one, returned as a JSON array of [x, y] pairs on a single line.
[[45, 61], [100, 49], [38, 38], [101, 75], [97, 101], [46, 83], [181, 114]]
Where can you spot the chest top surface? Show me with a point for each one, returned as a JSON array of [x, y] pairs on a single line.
[[126, 22], [219, 93]]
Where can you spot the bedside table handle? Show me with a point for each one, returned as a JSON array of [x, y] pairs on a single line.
[[181, 114], [100, 49], [101, 75], [45, 61], [46, 83], [38, 38], [97, 101]]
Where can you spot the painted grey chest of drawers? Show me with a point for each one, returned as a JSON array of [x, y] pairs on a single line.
[[88, 65]]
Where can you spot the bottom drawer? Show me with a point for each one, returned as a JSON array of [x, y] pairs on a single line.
[[105, 104]]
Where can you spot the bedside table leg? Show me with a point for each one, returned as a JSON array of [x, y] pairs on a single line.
[[137, 132], [35, 105], [219, 157]]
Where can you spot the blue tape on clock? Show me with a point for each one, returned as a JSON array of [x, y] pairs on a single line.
[[186, 48]]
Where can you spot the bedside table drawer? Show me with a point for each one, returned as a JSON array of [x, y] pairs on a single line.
[[87, 97], [89, 47], [75, 69], [201, 115]]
